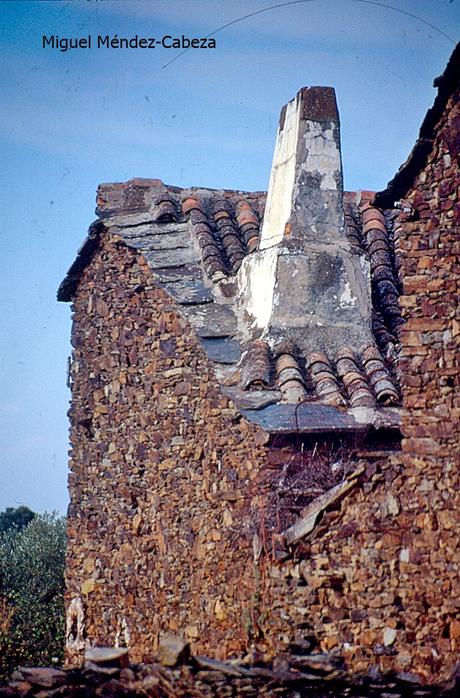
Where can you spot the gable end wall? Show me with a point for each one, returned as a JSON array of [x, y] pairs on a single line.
[[158, 520]]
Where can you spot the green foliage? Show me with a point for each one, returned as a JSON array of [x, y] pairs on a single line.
[[31, 593], [15, 518]]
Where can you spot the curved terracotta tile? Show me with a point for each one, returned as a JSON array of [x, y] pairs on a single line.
[[293, 392], [219, 215], [165, 212], [197, 217], [228, 234], [386, 392], [377, 245], [324, 380], [248, 224], [372, 214], [190, 203], [285, 360], [256, 365], [222, 206], [379, 377], [354, 382]]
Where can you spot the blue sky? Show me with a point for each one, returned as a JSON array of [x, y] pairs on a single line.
[[72, 120]]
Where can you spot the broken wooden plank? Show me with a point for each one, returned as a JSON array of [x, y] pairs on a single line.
[[307, 521]]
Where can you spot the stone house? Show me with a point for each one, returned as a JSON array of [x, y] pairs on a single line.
[[264, 408]]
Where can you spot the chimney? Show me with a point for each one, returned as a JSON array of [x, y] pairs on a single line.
[[306, 283], [304, 199]]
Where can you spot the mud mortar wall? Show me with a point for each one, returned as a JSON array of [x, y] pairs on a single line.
[[161, 475]]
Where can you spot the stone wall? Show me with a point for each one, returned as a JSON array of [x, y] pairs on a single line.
[[171, 522], [162, 467], [429, 247], [174, 497], [379, 580]]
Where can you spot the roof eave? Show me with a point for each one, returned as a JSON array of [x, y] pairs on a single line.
[[69, 284], [398, 187], [318, 418]]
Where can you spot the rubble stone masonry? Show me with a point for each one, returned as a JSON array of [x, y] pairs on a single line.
[[161, 472], [429, 248], [166, 510]]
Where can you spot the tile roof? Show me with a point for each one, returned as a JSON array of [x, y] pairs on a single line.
[[195, 240]]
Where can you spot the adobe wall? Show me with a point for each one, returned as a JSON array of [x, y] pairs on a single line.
[[378, 581], [159, 525]]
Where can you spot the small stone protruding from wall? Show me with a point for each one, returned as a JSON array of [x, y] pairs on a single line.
[[107, 660], [75, 629], [173, 650]]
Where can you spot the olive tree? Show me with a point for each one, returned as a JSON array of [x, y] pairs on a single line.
[[15, 518], [31, 593]]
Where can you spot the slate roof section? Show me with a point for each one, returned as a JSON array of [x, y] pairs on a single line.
[[194, 241]]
